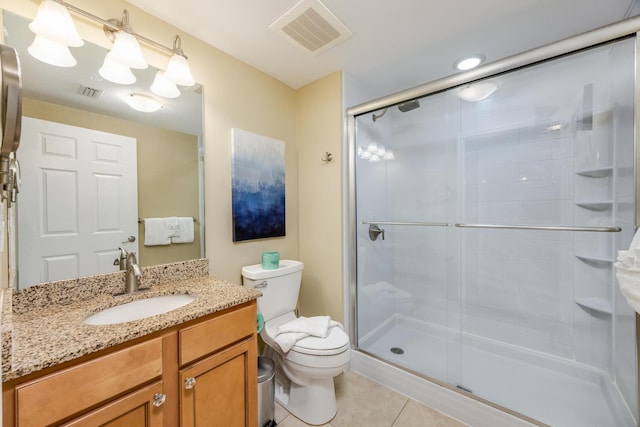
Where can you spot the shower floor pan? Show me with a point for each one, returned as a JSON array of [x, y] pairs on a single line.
[[548, 389]]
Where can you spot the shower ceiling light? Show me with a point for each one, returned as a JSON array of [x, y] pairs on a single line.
[[477, 92], [469, 62], [142, 102]]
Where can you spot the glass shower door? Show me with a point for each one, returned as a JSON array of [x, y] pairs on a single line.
[[487, 229], [407, 294], [544, 331]]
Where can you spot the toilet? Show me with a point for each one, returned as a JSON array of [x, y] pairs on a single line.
[[304, 374]]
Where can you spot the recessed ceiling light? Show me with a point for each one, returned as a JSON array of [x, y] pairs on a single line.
[[469, 62]]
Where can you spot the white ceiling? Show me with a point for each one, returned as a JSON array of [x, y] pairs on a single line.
[[396, 44]]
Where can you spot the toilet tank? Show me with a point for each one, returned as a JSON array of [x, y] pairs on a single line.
[[280, 287]]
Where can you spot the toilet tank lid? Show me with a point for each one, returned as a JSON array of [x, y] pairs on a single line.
[[286, 266]]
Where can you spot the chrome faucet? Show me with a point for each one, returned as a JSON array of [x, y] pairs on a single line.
[[133, 274], [122, 261]]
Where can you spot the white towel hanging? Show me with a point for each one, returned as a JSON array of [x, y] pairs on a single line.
[[185, 234], [156, 232]]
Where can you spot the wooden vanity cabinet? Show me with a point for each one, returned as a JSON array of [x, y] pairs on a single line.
[[218, 375], [142, 384]]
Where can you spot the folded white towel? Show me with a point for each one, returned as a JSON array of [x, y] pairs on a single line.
[[185, 234], [628, 273], [173, 226], [291, 332], [156, 232]]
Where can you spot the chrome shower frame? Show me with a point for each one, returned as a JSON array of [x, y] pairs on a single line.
[[623, 29]]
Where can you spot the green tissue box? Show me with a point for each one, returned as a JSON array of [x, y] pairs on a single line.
[[270, 260]]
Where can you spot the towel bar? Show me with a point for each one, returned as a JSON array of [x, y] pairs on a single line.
[[141, 221]]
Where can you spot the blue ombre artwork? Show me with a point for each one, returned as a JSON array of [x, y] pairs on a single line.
[[257, 187]]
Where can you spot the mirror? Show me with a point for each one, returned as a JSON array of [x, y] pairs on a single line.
[[169, 144]]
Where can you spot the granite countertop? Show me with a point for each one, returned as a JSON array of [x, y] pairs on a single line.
[[47, 334]]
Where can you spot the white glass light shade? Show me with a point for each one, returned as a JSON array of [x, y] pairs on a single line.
[[477, 91], [178, 71], [126, 50], [116, 72], [51, 52], [54, 22], [144, 103], [164, 87], [388, 155]]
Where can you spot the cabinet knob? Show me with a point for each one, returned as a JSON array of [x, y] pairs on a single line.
[[189, 383], [158, 399]]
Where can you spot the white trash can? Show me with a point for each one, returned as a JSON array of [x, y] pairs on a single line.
[[266, 392]]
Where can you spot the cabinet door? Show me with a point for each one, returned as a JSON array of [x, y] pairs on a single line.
[[221, 390], [142, 408]]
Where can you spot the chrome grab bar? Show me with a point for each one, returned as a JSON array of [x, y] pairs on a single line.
[[419, 224], [542, 227]]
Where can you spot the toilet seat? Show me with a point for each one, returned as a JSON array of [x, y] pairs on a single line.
[[336, 341]]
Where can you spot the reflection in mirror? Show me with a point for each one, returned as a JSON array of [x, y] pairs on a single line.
[[87, 220]]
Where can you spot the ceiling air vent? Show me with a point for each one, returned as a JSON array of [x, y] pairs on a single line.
[[311, 26], [89, 92]]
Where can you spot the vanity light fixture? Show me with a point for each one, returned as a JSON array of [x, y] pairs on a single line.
[[116, 72], [54, 22], [142, 102], [126, 49], [164, 87], [469, 62], [51, 52], [178, 70], [55, 31]]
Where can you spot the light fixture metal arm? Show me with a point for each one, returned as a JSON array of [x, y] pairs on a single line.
[[116, 25]]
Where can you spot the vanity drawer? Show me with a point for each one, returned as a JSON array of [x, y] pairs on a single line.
[[87, 384], [206, 337]]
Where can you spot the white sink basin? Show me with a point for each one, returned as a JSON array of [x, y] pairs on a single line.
[[140, 309]]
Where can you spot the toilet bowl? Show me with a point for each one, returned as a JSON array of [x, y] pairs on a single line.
[[304, 374]]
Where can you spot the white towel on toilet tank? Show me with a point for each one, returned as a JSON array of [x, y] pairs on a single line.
[[628, 272], [185, 230], [291, 332]]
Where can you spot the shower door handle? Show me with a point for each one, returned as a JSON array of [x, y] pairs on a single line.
[[375, 231]]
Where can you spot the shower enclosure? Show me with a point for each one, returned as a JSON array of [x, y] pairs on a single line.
[[486, 217]]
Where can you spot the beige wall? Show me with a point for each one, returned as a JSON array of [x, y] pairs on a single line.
[[161, 189], [309, 121], [235, 95], [319, 119]]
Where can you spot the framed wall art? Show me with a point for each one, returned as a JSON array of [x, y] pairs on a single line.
[[257, 186]]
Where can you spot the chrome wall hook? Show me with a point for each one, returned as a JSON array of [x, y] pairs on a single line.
[[328, 157]]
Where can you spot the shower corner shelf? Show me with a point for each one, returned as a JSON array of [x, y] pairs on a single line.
[[595, 173], [601, 205], [599, 305], [595, 260]]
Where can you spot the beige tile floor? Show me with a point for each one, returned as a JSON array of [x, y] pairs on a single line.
[[363, 402]]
